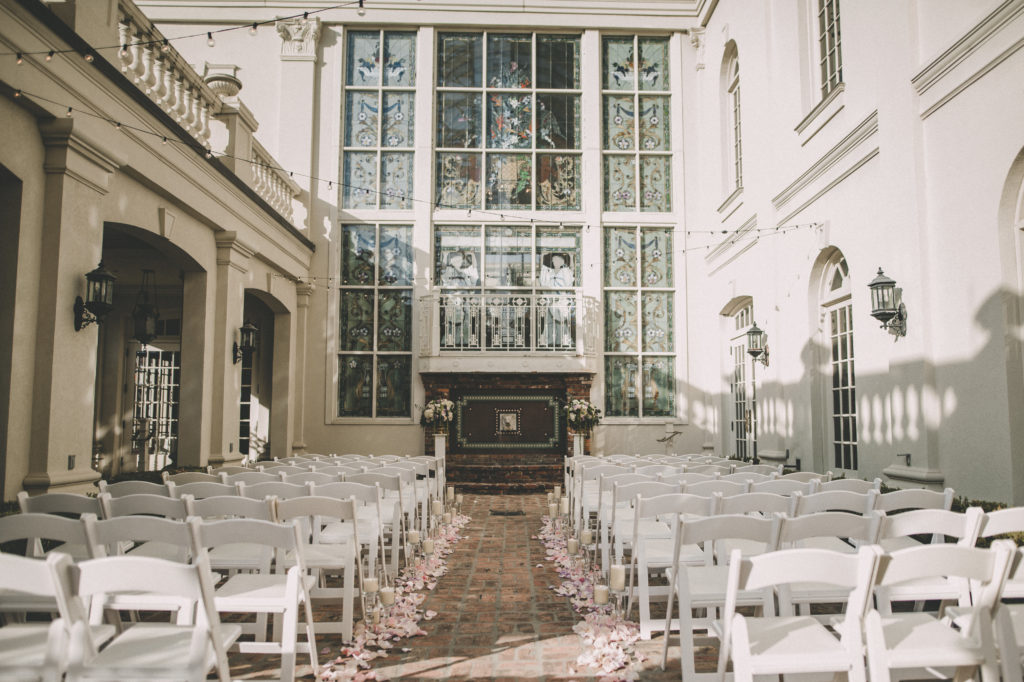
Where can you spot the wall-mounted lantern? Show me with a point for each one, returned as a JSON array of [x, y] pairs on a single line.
[[248, 336], [99, 298], [145, 313], [886, 304]]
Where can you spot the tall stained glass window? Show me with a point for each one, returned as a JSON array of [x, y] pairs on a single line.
[[637, 151], [508, 121], [638, 304], [380, 77], [375, 321]]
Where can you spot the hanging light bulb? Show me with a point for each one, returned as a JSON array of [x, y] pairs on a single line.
[[165, 139], [117, 125], [362, 10], [166, 47], [17, 93], [18, 58], [69, 112], [252, 29], [124, 50], [89, 57], [209, 39], [49, 56], [209, 153]]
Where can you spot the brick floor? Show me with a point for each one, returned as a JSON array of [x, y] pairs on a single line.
[[497, 618]]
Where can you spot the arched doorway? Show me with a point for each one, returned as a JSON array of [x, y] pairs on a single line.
[[1011, 254]]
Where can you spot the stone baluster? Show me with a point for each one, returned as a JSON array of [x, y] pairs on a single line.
[[124, 33], [146, 77], [157, 92]]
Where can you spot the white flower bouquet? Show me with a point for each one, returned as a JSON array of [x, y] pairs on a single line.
[[438, 413], [582, 415]]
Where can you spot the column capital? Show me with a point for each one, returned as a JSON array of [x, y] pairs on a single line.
[[299, 38], [303, 292], [69, 153], [233, 252], [697, 40]]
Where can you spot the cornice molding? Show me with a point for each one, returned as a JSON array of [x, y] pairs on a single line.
[[69, 153], [231, 251]]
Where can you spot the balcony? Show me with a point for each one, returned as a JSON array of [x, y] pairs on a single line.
[[506, 331]]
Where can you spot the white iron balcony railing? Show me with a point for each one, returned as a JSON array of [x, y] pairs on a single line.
[[557, 322]]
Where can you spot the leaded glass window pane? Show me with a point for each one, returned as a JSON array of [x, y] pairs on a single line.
[[558, 257], [558, 121], [620, 257], [396, 180], [395, 256], [509, 254], [654, 64], [355, 385], [459, 57], [360, 190], [619, 122], [659, 386], [363, 58], [509, 121], [558, 181], [357, 254], [619, 70], [394, 320], [508, 181], [458, 119], [398, 119], [654, 117], [621, 375], [558, 62], [657, 321], [509, 61], [457, 256], [356, 319], [400, 59], [654, 183], [657, 257], [361, 112], [394, 392], [619, 183], [458, 180], [620, 322]]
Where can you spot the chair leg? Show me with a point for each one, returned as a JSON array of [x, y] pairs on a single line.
[[289, 636]]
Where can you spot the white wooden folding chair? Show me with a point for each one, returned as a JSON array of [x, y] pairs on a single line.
[[586, 487], [263, 591], [656, 469], [720, 469], [414, 500], [705, 586], [202, 489], [767, 469], [327, 560], [229, 470], [724, 488], [422, 488], [686, 478], [188, 648], [917, 644], [240, 556], [392, 510], [284, 469], [124, 488], [786, 644], [65, 504], [806, 476], [189, 477], [749, 477], [369, 515], [147, 506], [309, 477], [855, 485], [783, 486], [623, 512], [758, 503], [605, 506], [914, 498], [278, 489], [833, 500], [249, 477]]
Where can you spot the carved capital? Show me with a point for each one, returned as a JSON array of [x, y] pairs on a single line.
[[299, 38], [697, 40]]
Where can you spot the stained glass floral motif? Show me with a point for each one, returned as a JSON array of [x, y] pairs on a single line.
[[458, 119], [656, 311], [619, 69], [654, 64], [360, 189], [620, 384], [398, 119], [509, 251], [558, 62], [558, 121], [395, 256], [658, 386], [509, 121], [620, 322], [355, 385], [363, 58], [396, 180], [361, 112], [558, 181], [400, 59], [509, 61], [656, 267], [620, 256], [620, 183], [394, 320], [356, 319], [654, 118], [357, 254], [459, 57], [654, 183], [393, 385], [458, 180], [509, 181], [619, 122]]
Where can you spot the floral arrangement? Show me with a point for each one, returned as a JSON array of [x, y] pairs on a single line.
[[438, 413], [582, 415]]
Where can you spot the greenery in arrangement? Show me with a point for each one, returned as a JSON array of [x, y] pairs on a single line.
[[582, 415], [438, 413]]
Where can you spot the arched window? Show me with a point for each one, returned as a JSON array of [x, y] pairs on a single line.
[[837, 311], [739, 316], [732, 133]]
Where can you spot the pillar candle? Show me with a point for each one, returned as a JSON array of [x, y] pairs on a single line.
[[552, 510], [428, 546], [586, 537], [447, 518], [574, 546], [451, 492], [617, 578], [387, 596], [458, 499], [551, 498], [436, 507], [376, 616], [600, 594], [414, 537], [558, 491], [564, 507], [370, 585]]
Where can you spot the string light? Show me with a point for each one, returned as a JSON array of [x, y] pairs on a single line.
[[89, 57], [210, 42], [124, 50], [165, 139], [69, 112], [166, 47], [17, 93], [49, 56], [252, 29], [19, 59], [362, 10]]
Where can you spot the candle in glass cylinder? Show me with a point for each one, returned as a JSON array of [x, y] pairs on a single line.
[[428, 546], [617, 577], [586, 536], [447, 518], [573, 546], [414, 537], [436, 507], [552, 510], [458, 499], [451, 492], [376, 616], [551, 498], [370, 585], [564, 506], [558, 491], [387, 596], [600, 594]]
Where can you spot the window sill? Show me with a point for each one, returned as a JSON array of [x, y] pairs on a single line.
[[731, 203], [370, 421], [823, 112]]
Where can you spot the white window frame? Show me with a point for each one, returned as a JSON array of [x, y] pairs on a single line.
[[836, 302]]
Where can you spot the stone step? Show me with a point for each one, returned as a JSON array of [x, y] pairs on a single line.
[[504, 478]]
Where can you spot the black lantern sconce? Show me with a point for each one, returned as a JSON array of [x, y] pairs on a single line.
[[99, 298], [248, 335], [145, 313], [757, 344], [887, 304]]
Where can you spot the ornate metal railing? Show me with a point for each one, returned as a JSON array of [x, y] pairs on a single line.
[[563, 322]]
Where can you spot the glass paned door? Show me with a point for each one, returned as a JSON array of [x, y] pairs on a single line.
[[157, 381], [843, 391], [738, 391]]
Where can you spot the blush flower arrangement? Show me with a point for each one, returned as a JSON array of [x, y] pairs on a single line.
[[438, 413], [582, 415]]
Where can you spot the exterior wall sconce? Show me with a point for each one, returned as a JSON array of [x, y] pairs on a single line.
[[145, 313], [246, 344], [757, 344], [99, 298], [887, 304]]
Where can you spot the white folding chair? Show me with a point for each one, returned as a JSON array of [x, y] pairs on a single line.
[[189, 477], [855, 485], [784, 645], [783, 486], [605, 506], [914, 498], [327, 560], [241, 556], [186, 649], [34, 530], [203, 489], [392, 510], [749, 477], [264, 592], [767, 469], [623, 513], [763, 504], [230, 470], [920, 645], [249, 477], [705, 586], [724, 488], [58, 503], [656, 469], [833, 500], [147, 506], [806, 476], [278, 489], [124, 488], [414, 495], [369, 524]]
